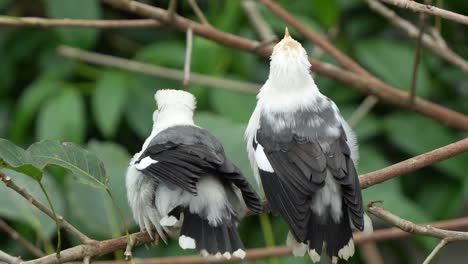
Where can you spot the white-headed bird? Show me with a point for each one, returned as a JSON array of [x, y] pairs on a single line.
[[304, 154], [182, 184]]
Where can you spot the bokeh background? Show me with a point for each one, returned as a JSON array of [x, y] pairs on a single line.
[[108, 111]]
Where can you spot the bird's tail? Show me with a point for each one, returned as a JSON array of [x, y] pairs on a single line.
[[336, 238], [221, 241]]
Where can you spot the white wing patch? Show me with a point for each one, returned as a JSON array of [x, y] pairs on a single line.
[[262, 160], [144, 163], [168, 221], [186, 242], [239, 254]]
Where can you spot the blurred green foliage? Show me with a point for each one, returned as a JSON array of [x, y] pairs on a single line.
[[45, 96]]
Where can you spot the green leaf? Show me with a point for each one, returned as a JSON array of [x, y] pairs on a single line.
[[62, 117], [85, 166], [139, 115], [327, 12], [83, 9], [15, 207], [231, 136], [167, 53], [29, 102], [15, 158], [236, 106], [416, 135], [109, 101], [90, 201], [393, 62]]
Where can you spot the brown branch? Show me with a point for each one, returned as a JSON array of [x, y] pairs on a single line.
[[429, 9], [340, 57], [17, 237], [370, 253], [47, 22], [256, 19], [362, 110], [438, 48], [188, 56], [171, 11], [417, 56], [413, 164], [63, 223], [92, 249], [361, 83], [426, 230], [198, 12], [154, 70], [7, 258]]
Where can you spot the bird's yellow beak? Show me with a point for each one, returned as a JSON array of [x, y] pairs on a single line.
[[286, 32]]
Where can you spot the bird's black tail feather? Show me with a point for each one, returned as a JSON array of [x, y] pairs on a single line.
[[337, 237], [221, 241]]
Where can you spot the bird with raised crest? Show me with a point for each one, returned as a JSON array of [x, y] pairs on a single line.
[[304, 154], [182, 184]]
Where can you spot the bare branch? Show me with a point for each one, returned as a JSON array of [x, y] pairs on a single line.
[[370, 253], [17, 237], [198, 12], [128, 249], [417, 56], [438, 47], [86, 260], [63, 223], [429, 9], [171, 10], [257, 21], [414, 163], [315, 38], [361, 83], [4, 257], [426, 230], [154, 70], [436, 250], [47, 22], [188, 56], [362, 110]]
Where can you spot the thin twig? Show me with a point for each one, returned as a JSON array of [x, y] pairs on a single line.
[[413, 164], [48, 22], [370, 253], [362, 110], [188, 56], [154, 70], [171, 11], [4, 257], [63, 223], [426, 230], [198, 12], [436, 250], [429, 9], [431, 42], [86, 260], [417, 56], [361, 83], [340, 57], [257, 21], [128, 249], [17, 237]]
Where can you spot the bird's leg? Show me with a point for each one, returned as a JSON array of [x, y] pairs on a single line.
[[128, 250]]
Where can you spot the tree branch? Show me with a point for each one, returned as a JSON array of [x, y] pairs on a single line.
[[48, 22], [198, 12], [154, 70], [188, 56], [17, 237], [361, 83], [257, 21], [429, 9], [4, 257], [362, 110], [413, 164], [63, 223], [426, 230], [440, 49]]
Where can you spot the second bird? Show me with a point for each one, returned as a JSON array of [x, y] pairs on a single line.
[[304, 154]]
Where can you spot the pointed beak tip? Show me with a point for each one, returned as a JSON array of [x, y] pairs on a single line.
[[286, 32]]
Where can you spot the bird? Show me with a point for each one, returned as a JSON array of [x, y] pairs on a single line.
[[182, 184], [304, 156]]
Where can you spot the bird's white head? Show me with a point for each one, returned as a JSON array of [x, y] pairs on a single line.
[[289, 65], [174, 107]]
